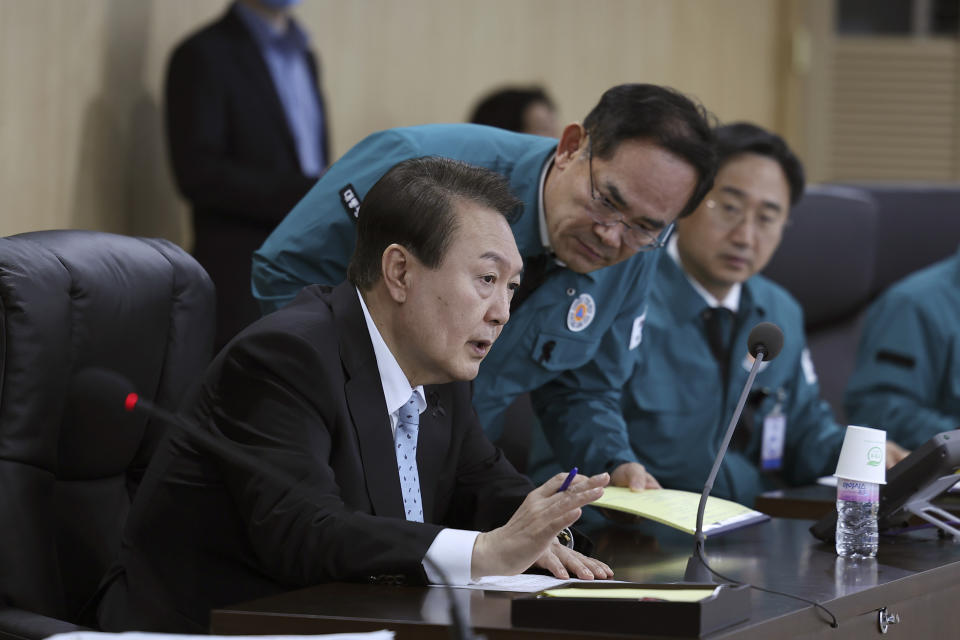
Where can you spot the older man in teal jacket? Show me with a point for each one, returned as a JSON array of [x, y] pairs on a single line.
[[705, 301], [594, 204], [907, 378]]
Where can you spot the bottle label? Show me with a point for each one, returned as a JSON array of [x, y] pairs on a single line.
[[856, 491]]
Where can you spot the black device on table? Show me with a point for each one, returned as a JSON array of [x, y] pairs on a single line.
[[912, 483]]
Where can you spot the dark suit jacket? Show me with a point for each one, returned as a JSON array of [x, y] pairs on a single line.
[[301, 391], [233, 156]]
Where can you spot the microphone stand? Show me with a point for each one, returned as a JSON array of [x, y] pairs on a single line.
[[697, 570], [459, 623]]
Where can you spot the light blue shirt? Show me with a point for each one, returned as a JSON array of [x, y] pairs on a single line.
[[285, 53]]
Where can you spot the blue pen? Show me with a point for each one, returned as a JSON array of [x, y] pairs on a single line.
[[568, 480]]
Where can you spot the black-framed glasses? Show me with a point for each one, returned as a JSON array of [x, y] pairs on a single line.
[[605, 213]]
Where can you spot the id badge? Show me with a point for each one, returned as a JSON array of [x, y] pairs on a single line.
[[774, 434]]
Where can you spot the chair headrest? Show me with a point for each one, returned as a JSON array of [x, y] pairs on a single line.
[[827, 256], [73, 299]]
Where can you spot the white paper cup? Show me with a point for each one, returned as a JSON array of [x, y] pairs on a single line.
[[863, 455]]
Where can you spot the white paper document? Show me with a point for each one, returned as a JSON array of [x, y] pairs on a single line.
[[523, 583], [138, 635]]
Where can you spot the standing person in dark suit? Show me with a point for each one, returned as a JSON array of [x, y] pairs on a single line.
[[248, 137], [356, 394]]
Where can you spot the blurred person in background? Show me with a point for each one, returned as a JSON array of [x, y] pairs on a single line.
[[248, 137], [524, 110], [907, 376]]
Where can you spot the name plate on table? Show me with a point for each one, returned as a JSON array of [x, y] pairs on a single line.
[[679, 610]]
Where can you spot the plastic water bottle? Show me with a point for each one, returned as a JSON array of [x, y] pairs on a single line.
[[857, 504]]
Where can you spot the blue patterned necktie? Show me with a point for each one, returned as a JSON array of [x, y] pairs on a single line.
[[405, 438]]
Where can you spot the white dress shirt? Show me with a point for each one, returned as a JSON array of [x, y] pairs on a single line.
[[452, 549]]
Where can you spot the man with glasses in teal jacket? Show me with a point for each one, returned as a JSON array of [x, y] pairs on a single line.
[[706, 299], [595, 205]]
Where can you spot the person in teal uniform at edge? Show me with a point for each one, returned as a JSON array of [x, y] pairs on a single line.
[[595, 204], [907, 376], [694, 361]]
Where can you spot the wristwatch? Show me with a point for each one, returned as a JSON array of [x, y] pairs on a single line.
[[565, 537]]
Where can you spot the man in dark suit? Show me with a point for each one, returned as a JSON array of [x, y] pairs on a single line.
[[247, 132], [372, 464]]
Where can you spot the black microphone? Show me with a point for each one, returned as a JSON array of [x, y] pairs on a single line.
[[95, 387], [100, 389], [764, 343], [765, 338]]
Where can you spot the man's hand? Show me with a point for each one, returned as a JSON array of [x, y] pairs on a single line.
[[530, 535], [895, 453], [633, 476], [561, 561]]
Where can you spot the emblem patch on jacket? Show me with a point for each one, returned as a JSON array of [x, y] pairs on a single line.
[[581, 312]]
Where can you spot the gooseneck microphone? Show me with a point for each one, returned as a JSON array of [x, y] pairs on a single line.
[[764, 343], [96, 389]]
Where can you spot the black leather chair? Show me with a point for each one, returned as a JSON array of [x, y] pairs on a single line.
[[826, 261], [69, 300]]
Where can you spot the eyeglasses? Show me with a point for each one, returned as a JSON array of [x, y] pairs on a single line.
[[729, 214], [605, 213]]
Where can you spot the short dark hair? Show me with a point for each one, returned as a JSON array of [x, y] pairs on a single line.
[[414, 204], [743, 137], [663, 116], [505, 107]]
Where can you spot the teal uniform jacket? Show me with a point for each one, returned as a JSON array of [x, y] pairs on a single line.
[[569, 344], [677, 410], [907, 377]]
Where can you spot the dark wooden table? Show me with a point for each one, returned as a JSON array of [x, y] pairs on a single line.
[[816, 501], [805, 503], [917, 576]]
